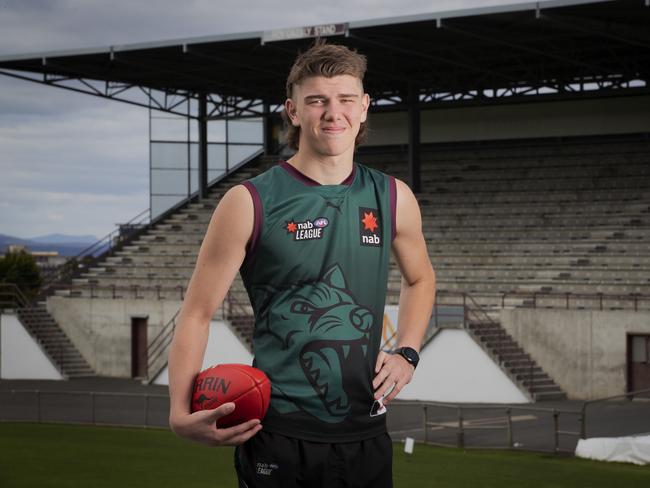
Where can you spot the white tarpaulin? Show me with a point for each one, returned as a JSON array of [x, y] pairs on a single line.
[[622, 449]]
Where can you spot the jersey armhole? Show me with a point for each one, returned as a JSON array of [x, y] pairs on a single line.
[[258, 218], [392, 187]]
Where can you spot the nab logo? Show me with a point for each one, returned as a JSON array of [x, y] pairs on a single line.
[[306, 230], [369, 228]]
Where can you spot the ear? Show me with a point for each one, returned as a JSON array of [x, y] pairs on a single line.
[[290, 109], [334, 277], [365, 103]]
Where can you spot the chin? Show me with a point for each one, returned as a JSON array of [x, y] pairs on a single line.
[[335, 149]]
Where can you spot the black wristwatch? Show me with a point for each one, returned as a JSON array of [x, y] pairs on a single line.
[[410, 354]]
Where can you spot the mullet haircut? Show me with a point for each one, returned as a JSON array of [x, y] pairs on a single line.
[[326, 60]]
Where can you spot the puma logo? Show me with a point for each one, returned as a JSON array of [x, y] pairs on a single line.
[[330, 204]]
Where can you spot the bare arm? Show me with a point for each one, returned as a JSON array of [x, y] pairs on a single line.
[[417, 294], [222, 252]]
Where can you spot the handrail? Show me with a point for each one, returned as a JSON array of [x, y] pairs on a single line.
[[72, 265], [635, 298], [136, 289], [14, 294], [158, 345], [600, 298], [630, 394], [140, 222]]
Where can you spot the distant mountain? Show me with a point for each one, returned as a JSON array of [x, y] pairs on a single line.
[[6, 240], [65, 245]]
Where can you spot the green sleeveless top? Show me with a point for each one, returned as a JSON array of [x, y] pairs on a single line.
[[316, 271]]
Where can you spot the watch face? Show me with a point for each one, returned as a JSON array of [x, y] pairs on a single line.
[[410, 354]]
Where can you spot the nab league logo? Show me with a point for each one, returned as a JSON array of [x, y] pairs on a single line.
[[369, 228], [307, 230]]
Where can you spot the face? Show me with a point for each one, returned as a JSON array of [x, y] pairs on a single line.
[[329, 112]]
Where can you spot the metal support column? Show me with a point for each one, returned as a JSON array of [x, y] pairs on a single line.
[[414, 137], [203, 145], [268, 130]]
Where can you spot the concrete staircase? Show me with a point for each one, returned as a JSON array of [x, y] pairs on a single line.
[[514, 361], [54, 342]]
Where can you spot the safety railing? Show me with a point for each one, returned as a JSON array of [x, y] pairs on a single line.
[[90, 255], [158, 347], [11, 296], [570, 301], [85, 407], [525, 427], [466, 426], [154, 292]]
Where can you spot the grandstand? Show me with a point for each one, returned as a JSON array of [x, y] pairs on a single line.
[[546, 211]]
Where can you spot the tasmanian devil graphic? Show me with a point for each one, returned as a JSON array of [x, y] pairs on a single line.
[[321, 326]]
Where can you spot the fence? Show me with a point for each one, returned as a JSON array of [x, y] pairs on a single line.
[[532, 428], [85, 407], [525, 427]]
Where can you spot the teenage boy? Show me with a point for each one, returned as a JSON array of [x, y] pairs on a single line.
[[312, 238]]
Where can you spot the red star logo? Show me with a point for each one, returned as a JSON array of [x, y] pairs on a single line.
[[291, 227], [369, 222]]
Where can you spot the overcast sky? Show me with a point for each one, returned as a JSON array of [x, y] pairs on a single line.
[[76, 164]]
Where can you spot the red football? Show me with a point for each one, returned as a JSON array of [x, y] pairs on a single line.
[[249, 388]]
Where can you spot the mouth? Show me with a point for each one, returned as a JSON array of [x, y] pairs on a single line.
[[333, 130], [322, 362]]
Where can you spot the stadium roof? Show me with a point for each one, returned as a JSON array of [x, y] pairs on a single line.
[[555, 48]]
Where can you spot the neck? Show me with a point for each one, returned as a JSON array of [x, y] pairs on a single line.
[[326, 170]]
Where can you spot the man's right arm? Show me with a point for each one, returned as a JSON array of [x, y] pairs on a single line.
[[222, 252]]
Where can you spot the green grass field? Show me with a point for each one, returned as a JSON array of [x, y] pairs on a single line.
[[49, 455]]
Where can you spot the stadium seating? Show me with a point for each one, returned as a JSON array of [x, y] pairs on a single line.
[[512, 223]]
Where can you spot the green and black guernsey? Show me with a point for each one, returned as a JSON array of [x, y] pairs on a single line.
[[316, 271]]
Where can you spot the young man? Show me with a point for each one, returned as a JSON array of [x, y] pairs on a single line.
[[312, 238]]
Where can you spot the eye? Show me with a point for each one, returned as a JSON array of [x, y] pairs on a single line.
[[302, 307]]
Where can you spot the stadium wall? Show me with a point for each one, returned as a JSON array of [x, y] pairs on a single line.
[[223, 347], [453, 368], [101, 328], [584, 351], [21, 357], [615, 115]]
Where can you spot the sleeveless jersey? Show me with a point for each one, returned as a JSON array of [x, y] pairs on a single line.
[[316, 271]]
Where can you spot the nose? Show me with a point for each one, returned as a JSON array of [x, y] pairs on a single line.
[[361, 318], [333, 110]]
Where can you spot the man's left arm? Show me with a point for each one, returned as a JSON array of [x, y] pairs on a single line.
[[416, 298]]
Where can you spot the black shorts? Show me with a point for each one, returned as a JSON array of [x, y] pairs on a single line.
[[273, 460]]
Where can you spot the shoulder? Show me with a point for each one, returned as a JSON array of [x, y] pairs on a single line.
[[408, 209], [236, 203], [403, 189]]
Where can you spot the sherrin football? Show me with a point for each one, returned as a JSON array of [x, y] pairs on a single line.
[[247, 387]]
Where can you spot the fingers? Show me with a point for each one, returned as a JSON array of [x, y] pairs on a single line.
[[380, 378], [238, 434], [380, 361], [222, 410], [235, 435], [393, 375], [394, 392]]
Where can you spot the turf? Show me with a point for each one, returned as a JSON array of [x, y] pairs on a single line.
[[50, 455]]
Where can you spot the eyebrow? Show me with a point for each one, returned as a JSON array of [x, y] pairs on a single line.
[[340, 95]]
